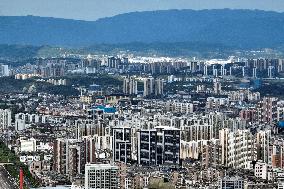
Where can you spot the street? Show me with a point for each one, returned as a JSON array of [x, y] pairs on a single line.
[[6, 182]]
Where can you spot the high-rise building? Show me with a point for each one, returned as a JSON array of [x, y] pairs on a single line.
[[122, 148], [205, 70], [159, 146], [217, 86], [267, 110], [248, 114], [262, 143], [215, 71], [153, 87], [223, 70], [113, 62], [71, 155], [159, 87], [243, 71], [223, 136], [280, 65], [101, 176], [193, 66], [51, 69], [89, 151], [211, 153], [4, 70], [5, 118], [23, 120], [254, 72], [59, 157], [270, 71], [130, 86], [198, 131], [180, 107], [261, 170], [237, 148], [148, 86]]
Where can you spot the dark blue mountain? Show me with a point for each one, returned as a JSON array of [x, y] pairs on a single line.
[[233, 28]]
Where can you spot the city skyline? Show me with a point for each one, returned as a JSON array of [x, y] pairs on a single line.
[[132, 94], [93, 10]]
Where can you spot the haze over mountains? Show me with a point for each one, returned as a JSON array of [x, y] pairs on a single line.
[[244, 29]]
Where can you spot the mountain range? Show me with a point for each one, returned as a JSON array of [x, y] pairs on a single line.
[[243, 29]]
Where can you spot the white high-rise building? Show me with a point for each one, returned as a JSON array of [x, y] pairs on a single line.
[[237, 148], [270, 71], [215, 71], [153, 87], [130, 86], [101, 176], [223, 70], [263, 170], [205, 71], [148, 86], [254, 72], [4, 70], [159, 87], [243, 70], [5, 118]]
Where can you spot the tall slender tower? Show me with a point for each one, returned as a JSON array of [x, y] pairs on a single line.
[[21, 179]]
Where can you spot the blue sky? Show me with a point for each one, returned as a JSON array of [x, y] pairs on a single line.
[[94, 9]]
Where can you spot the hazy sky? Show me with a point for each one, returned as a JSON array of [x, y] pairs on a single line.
[[94, 9]]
